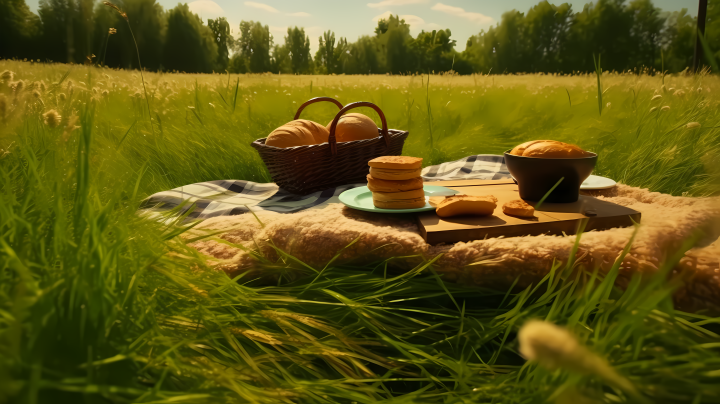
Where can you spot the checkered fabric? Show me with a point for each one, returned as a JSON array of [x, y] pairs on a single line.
[[233, 197]]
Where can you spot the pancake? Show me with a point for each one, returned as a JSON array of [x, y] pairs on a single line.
[[394, 175], [378, 185], [396, 162]]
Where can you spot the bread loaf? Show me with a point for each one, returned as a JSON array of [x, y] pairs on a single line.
[[354, 126]]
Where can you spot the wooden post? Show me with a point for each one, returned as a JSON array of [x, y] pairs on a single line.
[[702, 16]]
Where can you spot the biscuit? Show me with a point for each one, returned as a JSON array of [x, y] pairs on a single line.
[[518, 208], [457, 205]]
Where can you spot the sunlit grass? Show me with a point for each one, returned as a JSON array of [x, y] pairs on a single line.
[[97, 303]]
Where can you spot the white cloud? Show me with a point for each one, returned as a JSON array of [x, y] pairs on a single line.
[[457, 11], [384, 15], [206, 8], [413, 20], [261, 6], [386, 3], [299, 14]]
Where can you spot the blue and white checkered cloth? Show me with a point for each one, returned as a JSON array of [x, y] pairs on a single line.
[[234, 197]]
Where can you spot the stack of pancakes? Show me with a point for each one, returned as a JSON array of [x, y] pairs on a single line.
[[395, 182]]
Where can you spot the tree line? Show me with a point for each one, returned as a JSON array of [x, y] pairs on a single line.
[[630, 35]]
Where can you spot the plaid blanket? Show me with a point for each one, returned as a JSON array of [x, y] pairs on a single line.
[[233, 197]]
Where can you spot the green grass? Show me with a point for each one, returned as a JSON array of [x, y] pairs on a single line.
[[98, 305]]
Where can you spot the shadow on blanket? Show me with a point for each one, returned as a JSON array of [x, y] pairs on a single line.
[[315, 236]]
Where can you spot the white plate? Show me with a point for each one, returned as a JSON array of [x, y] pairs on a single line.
[[361, 199], [597, 182]]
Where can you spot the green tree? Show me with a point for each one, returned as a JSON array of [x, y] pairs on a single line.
[[395, 45], [601, 28], [362, 57], [19, 29], [298, 46], [253, 48], [646, 31], [149, 23], [221, 33], [547, 29], [712, 28], [679, 41], [189, 45], [432, 49]]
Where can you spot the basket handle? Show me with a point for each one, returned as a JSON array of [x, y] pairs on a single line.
[[314, 100], [331, 138]]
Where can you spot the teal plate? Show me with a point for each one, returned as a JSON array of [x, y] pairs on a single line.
[[361, 199]]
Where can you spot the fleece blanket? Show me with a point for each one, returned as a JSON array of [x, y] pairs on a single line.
[[234, 197], [315, 236]]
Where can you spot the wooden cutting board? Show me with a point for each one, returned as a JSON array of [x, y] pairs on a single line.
[[552, 218]]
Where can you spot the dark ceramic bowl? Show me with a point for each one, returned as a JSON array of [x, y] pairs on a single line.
[[535, 176]]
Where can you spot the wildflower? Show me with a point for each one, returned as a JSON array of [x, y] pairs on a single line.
[[112, 31], [7, 75], [665, 108], [693, 125], [656, 97], [652, 109], [52, 118]]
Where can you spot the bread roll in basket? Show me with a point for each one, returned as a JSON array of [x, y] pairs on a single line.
[[306, 169]]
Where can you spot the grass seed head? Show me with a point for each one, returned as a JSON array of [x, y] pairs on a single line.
[[52, 118], [18, 86], [71, 125], [7, 75], [665, 108], [693, 125], [653, 109], [62, 96], [656, 97]]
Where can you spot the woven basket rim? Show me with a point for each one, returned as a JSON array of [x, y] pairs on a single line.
[[260, 143]]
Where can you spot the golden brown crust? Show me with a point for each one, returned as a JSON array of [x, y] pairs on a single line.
[[396, 162], [518, 208], [396, 196], [319, 132], [290, 136], [394, 175], [554, 150], [378, 185], [354, 126], [520, 149], [457, 205], [400, 204]]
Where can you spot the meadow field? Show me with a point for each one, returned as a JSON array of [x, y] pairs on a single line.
[[100, 305]]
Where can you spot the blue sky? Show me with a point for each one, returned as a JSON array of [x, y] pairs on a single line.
[[352, 19]]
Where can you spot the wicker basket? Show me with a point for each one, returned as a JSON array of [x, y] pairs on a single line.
[[305, 169]]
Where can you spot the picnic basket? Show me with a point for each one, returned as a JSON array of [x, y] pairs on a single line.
[[306, 169]]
